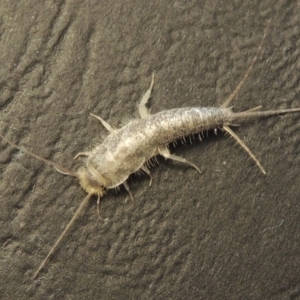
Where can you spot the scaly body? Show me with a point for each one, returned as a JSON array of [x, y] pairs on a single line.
[[128, 149]]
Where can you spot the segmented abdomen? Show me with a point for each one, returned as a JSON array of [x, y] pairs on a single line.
[[126, 150], [167, 126]]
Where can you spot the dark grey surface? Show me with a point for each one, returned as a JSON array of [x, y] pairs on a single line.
[[232, 233]]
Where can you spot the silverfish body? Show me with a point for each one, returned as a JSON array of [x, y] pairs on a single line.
[[128, 149]]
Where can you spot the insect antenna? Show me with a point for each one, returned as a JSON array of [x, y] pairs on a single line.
[[58, 168], [83, 203]]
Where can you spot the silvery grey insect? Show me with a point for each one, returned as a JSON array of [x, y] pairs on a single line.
[[128, 149]]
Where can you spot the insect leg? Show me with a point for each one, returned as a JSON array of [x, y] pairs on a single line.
[[143, 110], [82, 154], [166, 154], [104, 123], [126, 186], [146, 170]]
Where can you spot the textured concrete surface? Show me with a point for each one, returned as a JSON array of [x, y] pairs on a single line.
[[232, 233]]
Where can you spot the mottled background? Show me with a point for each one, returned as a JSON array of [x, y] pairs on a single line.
[[232, 233]]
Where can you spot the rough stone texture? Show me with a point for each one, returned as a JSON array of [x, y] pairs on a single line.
[[230, 234]]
